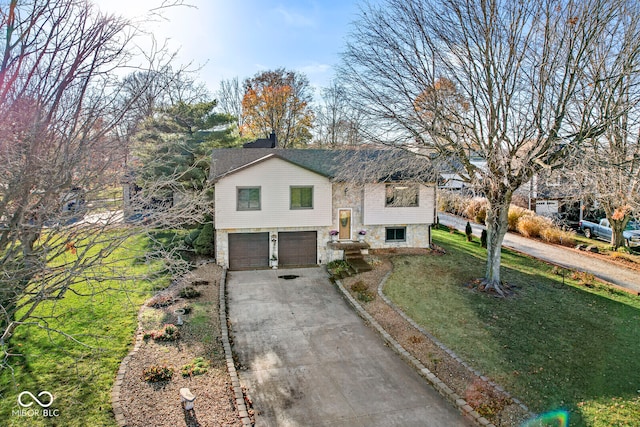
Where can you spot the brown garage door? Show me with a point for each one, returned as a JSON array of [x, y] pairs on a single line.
[[248, 250], [297, 248]]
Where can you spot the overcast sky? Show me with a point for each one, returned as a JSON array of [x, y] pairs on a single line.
[[240, 38]]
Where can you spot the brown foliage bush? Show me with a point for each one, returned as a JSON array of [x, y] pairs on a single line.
[[555, 235], [515, 213], [476, 209], [485, 399], [451, 202], [532, 226]]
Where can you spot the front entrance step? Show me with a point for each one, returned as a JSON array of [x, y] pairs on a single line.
[[359, 265], [355, 259]]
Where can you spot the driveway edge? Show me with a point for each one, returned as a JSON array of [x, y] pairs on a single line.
[[231, 367], [424, 372], [447, 349]]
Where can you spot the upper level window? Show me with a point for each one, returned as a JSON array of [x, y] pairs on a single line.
[[248, 198], [301, 197], [401, 195]]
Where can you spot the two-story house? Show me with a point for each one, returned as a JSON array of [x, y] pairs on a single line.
[[285, 204]]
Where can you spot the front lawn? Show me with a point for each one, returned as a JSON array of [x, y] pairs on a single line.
[[79, 376], [554, 346]]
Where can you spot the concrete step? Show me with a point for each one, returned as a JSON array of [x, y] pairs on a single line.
[[359, 265]]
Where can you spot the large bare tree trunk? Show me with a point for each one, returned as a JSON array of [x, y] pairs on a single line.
[[497, 215], [617, 229]]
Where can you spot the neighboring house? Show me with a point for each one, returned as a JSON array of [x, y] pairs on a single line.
[[553, 195], [282, 204]]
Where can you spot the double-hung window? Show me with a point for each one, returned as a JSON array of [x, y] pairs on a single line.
[[248, 198], [301, 197]]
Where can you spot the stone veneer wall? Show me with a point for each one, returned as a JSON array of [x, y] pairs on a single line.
[[348, 196], [351, 196], [417, 236]]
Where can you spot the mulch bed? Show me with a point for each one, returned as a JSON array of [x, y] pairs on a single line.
[[158, 404], [485, 399]]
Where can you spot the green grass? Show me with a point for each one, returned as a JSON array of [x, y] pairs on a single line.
[[80, 378], [554, 346]]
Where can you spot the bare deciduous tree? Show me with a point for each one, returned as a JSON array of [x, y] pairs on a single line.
[[336, 123], [499, 89], [60, 103], [230, 99], [608, 171]]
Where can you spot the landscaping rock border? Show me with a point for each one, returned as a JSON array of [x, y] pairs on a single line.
[[445, 348], [122, 370], [243, 411]]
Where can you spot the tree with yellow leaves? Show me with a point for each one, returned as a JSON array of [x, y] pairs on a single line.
[[279, 102]]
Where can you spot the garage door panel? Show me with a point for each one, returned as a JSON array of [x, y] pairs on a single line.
[[297, 248], [248, 250]]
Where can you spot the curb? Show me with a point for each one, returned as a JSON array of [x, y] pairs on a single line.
[[231, 367], [431, 378]]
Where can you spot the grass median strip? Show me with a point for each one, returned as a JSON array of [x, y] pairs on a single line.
[[552, 345]]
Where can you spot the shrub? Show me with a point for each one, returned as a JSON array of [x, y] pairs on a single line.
[[203, 245], [515, 213], [623, 250], [198, 366], [359, 286], [156, 373], [555, 235], [169, 332], [468, 231], [532, 226], [451, 202], [583, 278], [337, 267], [558, 271], [485, 399], [189, 292], [483, 238], [366, 296], [161, 300], [415, 339], [190, 238], [476, 209]]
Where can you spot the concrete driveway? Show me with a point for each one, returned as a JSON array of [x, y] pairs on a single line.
[[311, 361]]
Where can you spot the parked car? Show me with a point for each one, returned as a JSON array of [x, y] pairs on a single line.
[[602, 230]]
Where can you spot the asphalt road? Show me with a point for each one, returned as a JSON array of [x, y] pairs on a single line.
[[564, 257]]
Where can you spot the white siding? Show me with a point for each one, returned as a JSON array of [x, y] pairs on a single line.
[[376, 213], [274, 176]]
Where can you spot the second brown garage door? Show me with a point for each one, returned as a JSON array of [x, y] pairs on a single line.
[[248, 250], [297, 248]]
